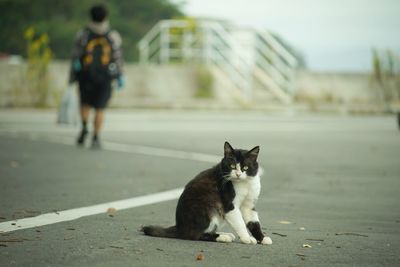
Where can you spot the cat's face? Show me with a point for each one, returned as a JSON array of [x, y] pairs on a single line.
[[239, 164]]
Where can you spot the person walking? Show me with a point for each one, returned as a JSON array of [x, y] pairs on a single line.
[[96, 61]]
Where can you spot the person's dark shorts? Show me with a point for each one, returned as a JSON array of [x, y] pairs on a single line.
[[94, 94]]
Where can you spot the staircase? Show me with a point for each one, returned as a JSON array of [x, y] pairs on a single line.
[[239, 55]]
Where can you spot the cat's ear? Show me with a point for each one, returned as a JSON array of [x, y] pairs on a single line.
[[228, 150], [253, 153]]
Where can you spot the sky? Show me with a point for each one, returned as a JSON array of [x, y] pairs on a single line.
[[333, 35]]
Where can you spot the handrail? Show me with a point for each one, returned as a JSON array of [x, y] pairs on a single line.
[[280, 49], [215, 45], [265, 50], [220, 43]]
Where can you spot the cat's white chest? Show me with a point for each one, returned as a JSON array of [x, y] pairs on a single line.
[[247, 190]]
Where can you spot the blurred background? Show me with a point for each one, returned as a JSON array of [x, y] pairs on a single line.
[[308, 55], [314, 83]]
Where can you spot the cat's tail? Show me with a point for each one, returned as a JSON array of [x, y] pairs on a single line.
[[158, 231]]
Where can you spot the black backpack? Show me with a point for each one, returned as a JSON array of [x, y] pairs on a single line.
[[97, 60]]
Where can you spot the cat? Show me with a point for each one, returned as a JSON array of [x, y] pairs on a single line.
[[226, 192]]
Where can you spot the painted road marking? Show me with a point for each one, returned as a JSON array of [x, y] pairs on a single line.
[[128, 148], [73, 214], [161, 152]]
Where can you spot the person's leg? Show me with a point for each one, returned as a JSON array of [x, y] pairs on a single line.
[[85, 112], [398, 119], [103, 95], [98, 120], [98, 123]]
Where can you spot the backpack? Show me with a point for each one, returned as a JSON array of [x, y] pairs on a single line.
[[97, 60]]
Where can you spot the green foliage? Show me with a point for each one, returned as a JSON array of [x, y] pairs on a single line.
[[386, 73], [205, 83], [39, 56], [62, 19]]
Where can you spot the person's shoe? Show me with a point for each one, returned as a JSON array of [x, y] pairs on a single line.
[[82, 137], [96, 143], [398, 119]]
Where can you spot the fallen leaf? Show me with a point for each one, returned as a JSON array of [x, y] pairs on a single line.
[[300, 254], [283, 235], [306, 246], [353, 234], [285, 222], [117, 247], [200, 257], [111, 210], [302, 228]]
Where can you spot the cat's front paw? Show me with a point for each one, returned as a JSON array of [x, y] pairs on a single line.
[[229, 234], [266, 240], [248, 240], [225, 238]]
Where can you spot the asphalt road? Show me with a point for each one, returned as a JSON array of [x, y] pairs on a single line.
[[331, 182]]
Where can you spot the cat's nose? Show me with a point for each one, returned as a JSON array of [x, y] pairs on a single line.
[[238, 174]]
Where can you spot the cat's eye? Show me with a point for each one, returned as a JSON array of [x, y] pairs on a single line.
[[233, 166], [245, 168]]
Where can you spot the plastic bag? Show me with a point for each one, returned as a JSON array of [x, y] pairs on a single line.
[[68, 112]]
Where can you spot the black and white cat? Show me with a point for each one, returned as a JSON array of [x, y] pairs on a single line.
[[228, 193]]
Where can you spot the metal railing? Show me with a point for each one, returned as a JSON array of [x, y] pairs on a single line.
[[211, 44]]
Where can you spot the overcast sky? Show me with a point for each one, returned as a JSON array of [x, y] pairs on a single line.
[[332, 34]]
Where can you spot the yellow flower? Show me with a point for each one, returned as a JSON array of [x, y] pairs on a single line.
[[192, 23], [29, 33], [35, 45], [47, 55], [44, 38]]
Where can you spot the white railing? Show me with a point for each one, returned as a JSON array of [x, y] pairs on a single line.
[[223, 51], [275, 61], [210, 43]]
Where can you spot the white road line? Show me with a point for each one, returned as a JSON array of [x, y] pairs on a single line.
[[73, 214], [134, 149], [161, 152]]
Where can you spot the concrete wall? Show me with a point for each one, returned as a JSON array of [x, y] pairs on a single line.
[[336, 87], [176, 85], [145, 85]]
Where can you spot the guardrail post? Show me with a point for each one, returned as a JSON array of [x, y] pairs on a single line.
[[164, 43]]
